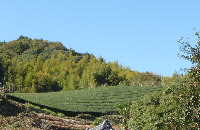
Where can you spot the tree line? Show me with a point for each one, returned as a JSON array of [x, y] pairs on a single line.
[[37, 65]]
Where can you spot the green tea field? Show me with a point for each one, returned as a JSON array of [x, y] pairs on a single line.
[[104, 99]]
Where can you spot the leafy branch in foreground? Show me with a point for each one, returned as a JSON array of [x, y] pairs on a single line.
[[188, 116], [123, 110], [178, 106]]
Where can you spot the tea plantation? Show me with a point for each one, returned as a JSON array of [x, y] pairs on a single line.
[[104, 99]]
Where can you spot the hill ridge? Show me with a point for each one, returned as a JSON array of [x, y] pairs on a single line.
[[38, 65]]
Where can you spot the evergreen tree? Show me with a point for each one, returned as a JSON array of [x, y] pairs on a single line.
[[22, 37], [1, 72], [19, 48]]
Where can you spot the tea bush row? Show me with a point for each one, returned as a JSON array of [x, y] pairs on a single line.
[[92, 100]]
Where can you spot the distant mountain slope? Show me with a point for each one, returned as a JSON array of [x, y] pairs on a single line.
[[37, 65], [26, 48]]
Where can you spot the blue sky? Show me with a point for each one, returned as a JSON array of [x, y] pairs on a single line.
[[141, 35]]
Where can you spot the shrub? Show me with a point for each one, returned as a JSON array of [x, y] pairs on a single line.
[[60, 115], [123, 109], [49, 112], [96, 122], [155, 110], [178, 106]]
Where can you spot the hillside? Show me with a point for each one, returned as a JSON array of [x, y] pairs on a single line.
[[37, 65], [15, 115], [82, 106], [97, 86], [104, 99]]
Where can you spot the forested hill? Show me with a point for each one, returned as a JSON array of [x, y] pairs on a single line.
[[37, 65]]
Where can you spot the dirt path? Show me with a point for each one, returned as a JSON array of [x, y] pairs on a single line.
[[40, 121]]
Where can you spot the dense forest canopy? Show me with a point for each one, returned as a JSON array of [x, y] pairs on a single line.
[[37, 65]]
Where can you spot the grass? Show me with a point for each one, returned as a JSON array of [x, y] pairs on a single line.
[[104, 99]]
